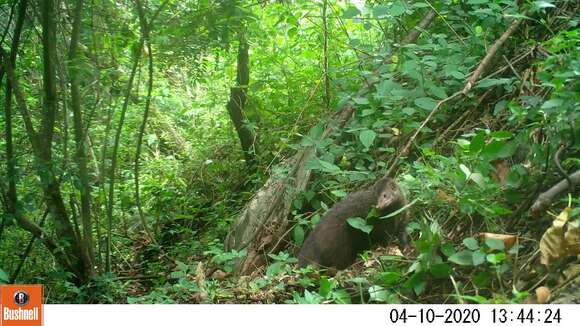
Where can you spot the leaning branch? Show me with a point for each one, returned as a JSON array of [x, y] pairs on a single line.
[[546, 198], [470, 83]]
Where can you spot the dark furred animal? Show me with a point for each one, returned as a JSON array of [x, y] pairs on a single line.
[[334, 243]]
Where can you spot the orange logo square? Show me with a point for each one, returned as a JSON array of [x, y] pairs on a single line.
[[21, 305]]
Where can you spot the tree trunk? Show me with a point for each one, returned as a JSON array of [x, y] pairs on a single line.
[[237, 103], [80, 139]]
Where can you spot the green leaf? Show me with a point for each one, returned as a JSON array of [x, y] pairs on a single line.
[[478, 179], [447, 249], [499, 149], [339, 193], [426, 103], [544, 4], [465, 171], [495, 244], [477, 143], [495, 258], [481, 279], [318, 164], [341, 296], [471, 243], [389, 278], [379, 294], [350, 12], [553, 103], [501, 134], [298, 234], [478, 258], [408, 111], [380, 11], [360, 224], [477, 2], [490, 82], [437, 91], [441, 270], [361, 100], [367, 137], [398, 9], [274, 269], [464, 258], [325, 287]]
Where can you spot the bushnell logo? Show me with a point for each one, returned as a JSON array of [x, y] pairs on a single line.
[[21, 305], [21, 298]]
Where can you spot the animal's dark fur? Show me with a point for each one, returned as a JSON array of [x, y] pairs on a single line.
[[334, 243]]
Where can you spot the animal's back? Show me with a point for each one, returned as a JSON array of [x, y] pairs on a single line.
[[333, 243]]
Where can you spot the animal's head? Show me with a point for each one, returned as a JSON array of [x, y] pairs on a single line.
[[388, 194]]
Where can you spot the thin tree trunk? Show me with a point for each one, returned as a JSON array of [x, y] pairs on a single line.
[[11, 196], [145, 35], [237, 103], [136, 57], [80, 139]]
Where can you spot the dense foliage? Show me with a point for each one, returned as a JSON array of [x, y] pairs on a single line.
[[123, 163]]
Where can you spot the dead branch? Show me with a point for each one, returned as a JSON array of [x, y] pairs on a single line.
[[490, 54], [470, 83], [546, 198]]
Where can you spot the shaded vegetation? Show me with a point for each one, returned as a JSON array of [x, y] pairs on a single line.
[[164, 151]]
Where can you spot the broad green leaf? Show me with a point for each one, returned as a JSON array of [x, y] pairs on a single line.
[[478, 179], [495, 258], [411, 68], [318, 164], [367, 137], [325, 287], [477, 143], [380, 11], [464, 258], [379, 294], [274, 269], [495, 244], [477, 2], [408, 111], [389, 278], [471, 243], [447, 249], [498, 149], [360, 224], [361, 100], [478, 258], [465, 171], [298, 234], [350, 12], [553, 103], [426, 103], [341, 296], [441, 270], [339, 193], [438, 92], [490, 82], [398, 9]]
